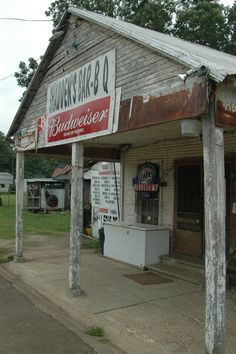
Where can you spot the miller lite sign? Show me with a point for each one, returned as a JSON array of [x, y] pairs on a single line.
[[147, 178], [80, 105]]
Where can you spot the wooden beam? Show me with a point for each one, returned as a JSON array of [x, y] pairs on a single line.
[[215, 264], [91, 153], [19, 205], [102, 153], [76, 224]]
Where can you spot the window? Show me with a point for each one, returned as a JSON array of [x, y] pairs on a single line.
[[148, 207]]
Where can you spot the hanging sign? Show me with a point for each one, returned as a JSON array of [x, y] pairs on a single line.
[[226, 104], [80, 105], [147, 178], [25, 140], [41, 131]]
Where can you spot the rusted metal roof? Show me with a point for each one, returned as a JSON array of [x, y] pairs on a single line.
[[61, 169], [190, 54]]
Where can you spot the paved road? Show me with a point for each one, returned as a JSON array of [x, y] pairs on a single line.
[[25, 329]]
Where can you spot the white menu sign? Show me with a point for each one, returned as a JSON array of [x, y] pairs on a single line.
[[105, 189]]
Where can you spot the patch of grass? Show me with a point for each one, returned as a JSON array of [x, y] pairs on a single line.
[[87, 243], [5, 256], [95, 331], [52, 224]]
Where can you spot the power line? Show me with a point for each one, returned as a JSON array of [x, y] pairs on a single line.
[[9, 99], [6, 77], [22, 19]]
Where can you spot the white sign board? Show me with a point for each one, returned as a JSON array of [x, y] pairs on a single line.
[[105, 189], [25, 140], [80, 105]]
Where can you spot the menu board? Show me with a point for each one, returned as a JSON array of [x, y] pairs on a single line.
[[105, 189]]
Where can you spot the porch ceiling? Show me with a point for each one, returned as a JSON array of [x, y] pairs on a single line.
[[144, 136], [108, 147], [139, 137]]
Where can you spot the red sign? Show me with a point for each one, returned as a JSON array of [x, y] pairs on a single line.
[[91, 117], [146, 187], [103, 210]]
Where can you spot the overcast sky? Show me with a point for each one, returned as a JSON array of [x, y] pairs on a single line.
[[19, 41]]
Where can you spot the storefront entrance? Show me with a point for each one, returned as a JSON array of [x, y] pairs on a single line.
[[188, 222], [189, 208]]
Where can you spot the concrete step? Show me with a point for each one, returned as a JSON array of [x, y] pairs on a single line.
[[189, 275], [184, 262], [182, 267]]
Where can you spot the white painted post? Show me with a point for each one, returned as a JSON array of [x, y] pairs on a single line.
[[19, 205], [76, 223], [215, 264]]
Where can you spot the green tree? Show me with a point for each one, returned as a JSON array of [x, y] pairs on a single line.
[[35, 166], [230, 46], [25, 73], [203, 22], [7, 154], [58, 7], [155, 14], [39, 167], [207, 22]]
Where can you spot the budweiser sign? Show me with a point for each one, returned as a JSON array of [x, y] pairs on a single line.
[[80, 105], [86, 119]]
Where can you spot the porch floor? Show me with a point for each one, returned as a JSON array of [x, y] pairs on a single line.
[[158, 318]]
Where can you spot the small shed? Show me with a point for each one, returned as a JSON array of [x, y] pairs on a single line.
[[45, 194], [63, 173], [6, 179]]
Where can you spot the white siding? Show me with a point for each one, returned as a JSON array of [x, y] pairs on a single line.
[[164, 155]]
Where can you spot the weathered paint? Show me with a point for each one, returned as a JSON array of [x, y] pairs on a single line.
[[139, 70], [226, 104], [189, 102], [19, 204], [76, 224], [214, 197]]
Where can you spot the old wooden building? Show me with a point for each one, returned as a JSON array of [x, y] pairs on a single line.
[[166, 109]]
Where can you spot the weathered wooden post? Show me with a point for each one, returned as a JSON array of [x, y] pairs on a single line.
[[76, 224], [19, 205], [215, 264]]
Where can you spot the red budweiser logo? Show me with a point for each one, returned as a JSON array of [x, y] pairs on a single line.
[[86, 119]]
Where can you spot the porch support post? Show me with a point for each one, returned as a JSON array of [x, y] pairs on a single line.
[[76, 222], [19, 205], [215, 264]]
